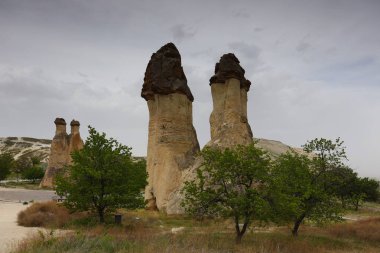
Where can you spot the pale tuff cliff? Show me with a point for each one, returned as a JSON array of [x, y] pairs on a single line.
[[172, 140], [61, 147]]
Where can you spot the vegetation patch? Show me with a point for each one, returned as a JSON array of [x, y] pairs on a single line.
[[367, 230], [44, 214]]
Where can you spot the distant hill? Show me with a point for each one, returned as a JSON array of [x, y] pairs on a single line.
[[26, 147], [276, 148]]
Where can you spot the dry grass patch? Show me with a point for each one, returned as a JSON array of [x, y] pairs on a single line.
[[366, 230], [44, 214]]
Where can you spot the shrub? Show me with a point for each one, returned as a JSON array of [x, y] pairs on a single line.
[[43, 214]]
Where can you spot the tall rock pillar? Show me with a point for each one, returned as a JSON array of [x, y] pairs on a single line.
[[58, 153], [61, 148], [172, 140], [228, 121], [75, 141]]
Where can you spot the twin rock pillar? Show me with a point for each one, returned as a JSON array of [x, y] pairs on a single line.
[[172, 140], [62, 146]]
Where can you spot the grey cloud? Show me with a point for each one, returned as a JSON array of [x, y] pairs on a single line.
[[334, 72], [181, 32], [302, 47], [248, 51], [241, 14]]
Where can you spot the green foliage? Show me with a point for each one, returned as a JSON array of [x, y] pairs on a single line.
[[22, 164], [231, 183], [102, 177], [303, 185], [6, 165], [35, 160], [370, 189], [33, 173]]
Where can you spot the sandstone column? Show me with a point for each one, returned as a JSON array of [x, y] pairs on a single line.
[[58, 153], [172, 140], [61, 148], [75, 141], [228, 120]]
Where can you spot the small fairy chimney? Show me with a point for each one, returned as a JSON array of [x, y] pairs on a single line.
[[61, 147]]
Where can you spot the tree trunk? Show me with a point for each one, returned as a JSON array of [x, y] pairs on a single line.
[[101, 215], [297, 224], [240, 233], [357, 205], [238, 238]]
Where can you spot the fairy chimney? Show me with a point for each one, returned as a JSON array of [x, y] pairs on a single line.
[[75, 141], [61, 147], [172, 140], [58, 153], [228, 120]]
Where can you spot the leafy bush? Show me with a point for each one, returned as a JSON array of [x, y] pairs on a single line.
[[33, 173], [6, 164]]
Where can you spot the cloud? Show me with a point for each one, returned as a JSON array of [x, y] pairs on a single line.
[[181, 32], [314, 66], [302, 47]]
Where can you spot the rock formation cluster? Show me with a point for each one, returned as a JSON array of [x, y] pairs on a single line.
[[172, 140], [62, 146]]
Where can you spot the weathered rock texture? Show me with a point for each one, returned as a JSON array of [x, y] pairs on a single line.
[[61, 147], [228, 121], [172, 140]]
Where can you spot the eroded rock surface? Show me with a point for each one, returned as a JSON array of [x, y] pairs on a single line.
[[164, 74], [172, 140], [61, 147], [228, 120]]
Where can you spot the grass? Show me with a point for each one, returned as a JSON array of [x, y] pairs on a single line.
[[146, 231], [367, 230]]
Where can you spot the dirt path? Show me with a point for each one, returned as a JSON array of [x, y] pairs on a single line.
[[21, 195], [10, 205]]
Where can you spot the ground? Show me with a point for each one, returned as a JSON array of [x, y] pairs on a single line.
[[147, 231], [11, 203]]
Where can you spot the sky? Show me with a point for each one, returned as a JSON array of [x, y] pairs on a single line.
[[314, 67]]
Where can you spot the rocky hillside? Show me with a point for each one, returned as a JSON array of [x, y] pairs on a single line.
[[275, 148], [26, 146]]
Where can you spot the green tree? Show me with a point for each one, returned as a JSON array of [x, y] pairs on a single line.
[[102, 177], [299, 191], [304, 186], [33, 173], [22, 164], [231, 183], [370, 188], [6, 165]]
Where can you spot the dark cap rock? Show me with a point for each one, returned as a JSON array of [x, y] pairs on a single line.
[[60, 121], [164, 74], [229, 67], [74, 123]]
